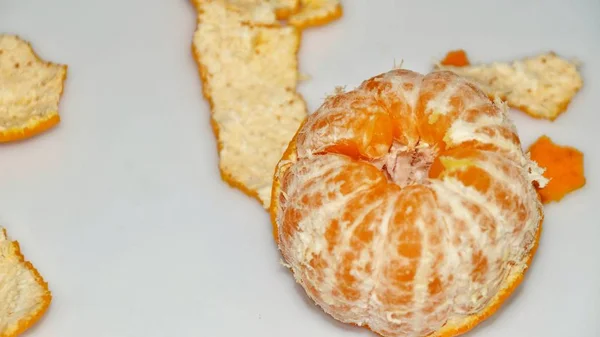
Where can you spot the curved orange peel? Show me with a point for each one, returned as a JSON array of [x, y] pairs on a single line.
[[564, 168], [313, 13], [255, 107], [253, 128], [24, 295], [30, 90], [542, 85], [457, 58]]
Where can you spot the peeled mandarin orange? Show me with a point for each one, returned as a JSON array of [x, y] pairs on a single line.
[[407, 205]]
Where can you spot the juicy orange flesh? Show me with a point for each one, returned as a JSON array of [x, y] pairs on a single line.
[[363, 124], [345, 139], [371, 121]]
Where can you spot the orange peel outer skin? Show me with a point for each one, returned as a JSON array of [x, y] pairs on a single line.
[[29, 321], [12, 135], [564, 168], [469, 322], [456, 58], [321, 20]]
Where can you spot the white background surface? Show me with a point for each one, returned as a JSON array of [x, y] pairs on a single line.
[[122, 210]]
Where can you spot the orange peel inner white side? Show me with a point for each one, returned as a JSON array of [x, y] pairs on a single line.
[[248, 65], [24, 295], [30, 90], [542, 85]]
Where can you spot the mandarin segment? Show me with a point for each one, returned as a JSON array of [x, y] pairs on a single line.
[[425, 238], [355, 124], [30, 90], [542, 85], [339, 251], [24, 295], [411, 286], [564, 168], [399, 92], [484, 187]]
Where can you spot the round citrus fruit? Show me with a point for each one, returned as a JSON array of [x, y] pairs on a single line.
[[407, 205]]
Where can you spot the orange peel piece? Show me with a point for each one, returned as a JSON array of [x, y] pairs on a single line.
[[314, 13], [24, 295], [457, 58], [564, 168], [30, 90], [248, 65], [542, 85]]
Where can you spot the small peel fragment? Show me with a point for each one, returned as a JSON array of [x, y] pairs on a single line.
[[248, 65], [457, 58], [24, 295], [563, 168], [315, 13], [542, 85], [30, 90]]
